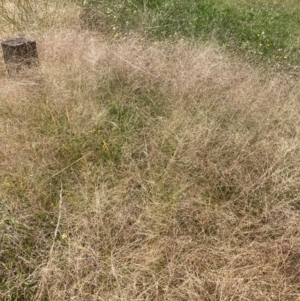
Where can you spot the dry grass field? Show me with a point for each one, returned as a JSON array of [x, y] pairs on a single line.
[[140, 170]]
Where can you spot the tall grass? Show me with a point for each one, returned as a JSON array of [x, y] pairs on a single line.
[[21, 17], [134, 169]]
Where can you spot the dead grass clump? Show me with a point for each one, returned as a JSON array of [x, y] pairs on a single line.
[[137, 171], [29, 17]]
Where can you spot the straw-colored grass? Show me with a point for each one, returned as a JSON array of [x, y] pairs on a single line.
[[133, 170]]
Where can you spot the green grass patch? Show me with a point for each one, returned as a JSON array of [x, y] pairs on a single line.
[[264, 32]]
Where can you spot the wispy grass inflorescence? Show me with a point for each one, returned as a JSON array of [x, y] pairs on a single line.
[[134, 170]]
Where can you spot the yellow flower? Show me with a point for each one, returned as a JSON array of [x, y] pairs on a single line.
[[116, 35], [64, 236]]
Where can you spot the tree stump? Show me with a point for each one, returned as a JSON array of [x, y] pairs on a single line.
[[19, 53]]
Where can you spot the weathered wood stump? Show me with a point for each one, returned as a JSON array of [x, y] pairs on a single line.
[[19, 53]]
